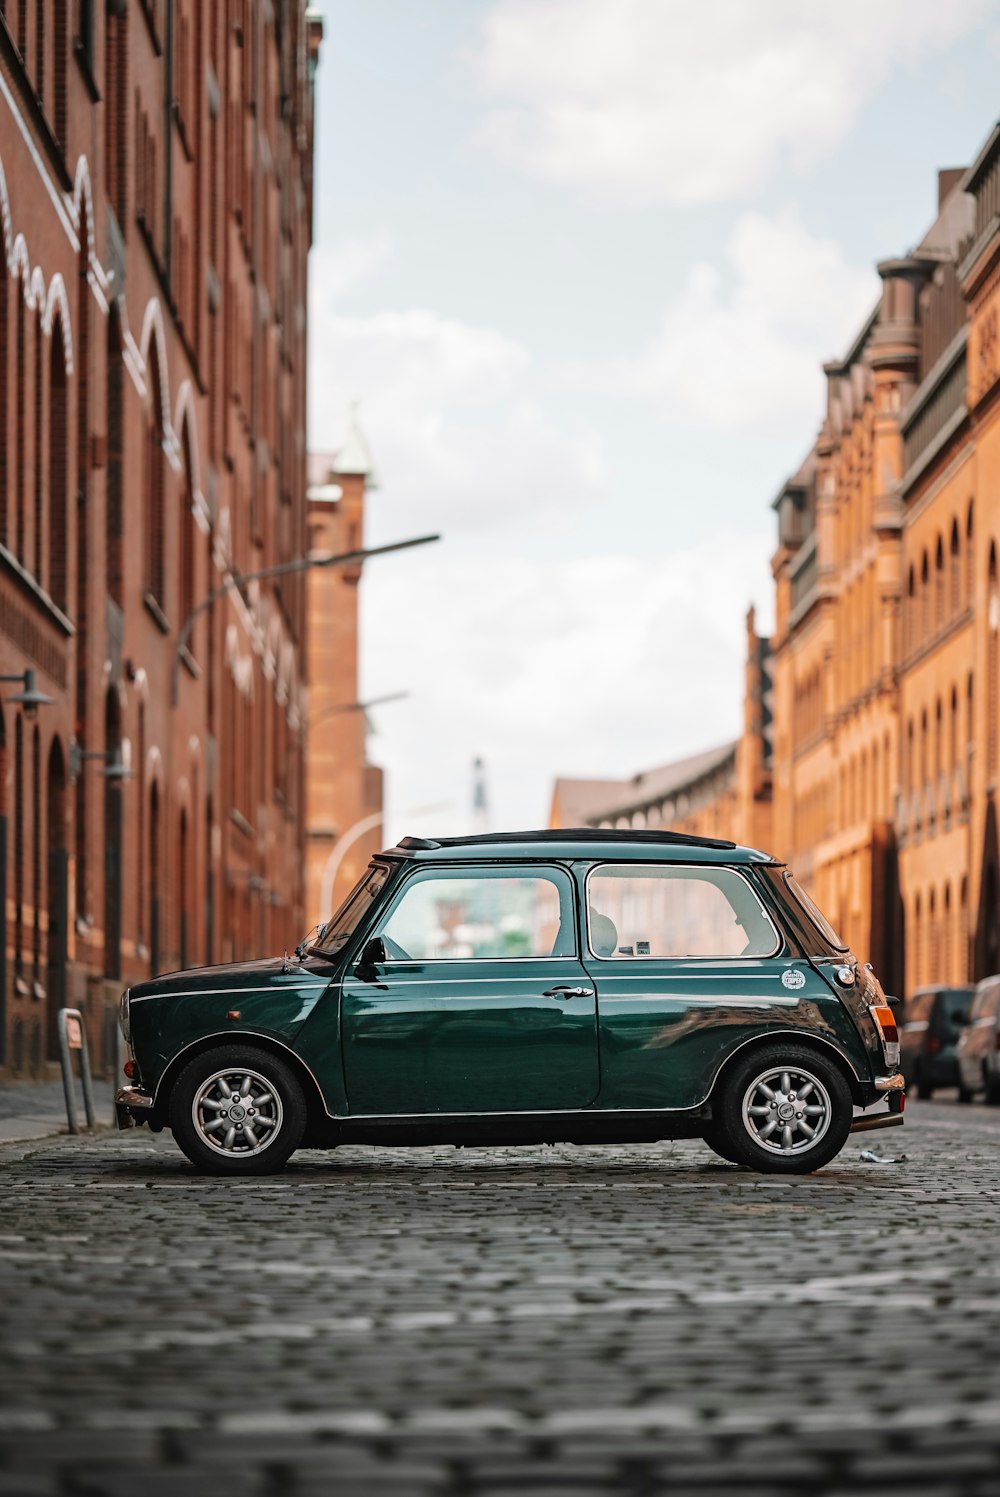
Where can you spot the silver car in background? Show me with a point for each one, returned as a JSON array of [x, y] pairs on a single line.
[[978, 1048]]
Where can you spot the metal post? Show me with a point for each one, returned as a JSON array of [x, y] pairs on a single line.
[[67, 1044]]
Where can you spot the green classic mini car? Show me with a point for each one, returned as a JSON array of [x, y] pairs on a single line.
[[580, 986]]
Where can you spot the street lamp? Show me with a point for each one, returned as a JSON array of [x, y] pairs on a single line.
[[282, 569], [116, 769], [29, 697], [338, 707]]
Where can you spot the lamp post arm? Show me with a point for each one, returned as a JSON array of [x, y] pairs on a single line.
[[280, 569]]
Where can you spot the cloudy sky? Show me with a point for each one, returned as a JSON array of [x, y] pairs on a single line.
[[580, 263]]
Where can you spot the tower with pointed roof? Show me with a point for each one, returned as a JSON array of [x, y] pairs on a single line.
[[343, 790]]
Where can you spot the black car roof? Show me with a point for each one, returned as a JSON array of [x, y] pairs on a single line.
[[580, 842]]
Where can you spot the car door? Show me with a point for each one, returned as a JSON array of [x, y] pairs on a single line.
[[482, 1003], [687, 962]]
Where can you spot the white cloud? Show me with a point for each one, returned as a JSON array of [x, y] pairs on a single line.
[[670, 100], [590, 666], [741, 346], [456, 418], [334, 273]]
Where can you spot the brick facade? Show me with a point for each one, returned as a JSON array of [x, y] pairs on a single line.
[[888, 612], [155, 219]]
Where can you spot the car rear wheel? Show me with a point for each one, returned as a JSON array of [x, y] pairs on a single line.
[[236, 1110], [784, 1110], [991, 1085]]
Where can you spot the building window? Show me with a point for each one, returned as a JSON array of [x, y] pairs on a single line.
[[37, 449], [154, 486], [18, 846], [58, 469], [188, 546]]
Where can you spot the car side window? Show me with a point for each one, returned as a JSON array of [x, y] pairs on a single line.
[[481, 914], [664, 911]]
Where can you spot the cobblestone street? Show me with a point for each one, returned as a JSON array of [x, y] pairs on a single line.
[[564, 1320]]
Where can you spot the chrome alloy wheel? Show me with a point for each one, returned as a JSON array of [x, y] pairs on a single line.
[[237, 1112], [787, 1111]]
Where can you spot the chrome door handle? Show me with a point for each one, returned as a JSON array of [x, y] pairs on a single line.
[[562, 992]]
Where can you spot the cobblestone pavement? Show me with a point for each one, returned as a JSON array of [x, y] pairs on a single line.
[[574, 1321]]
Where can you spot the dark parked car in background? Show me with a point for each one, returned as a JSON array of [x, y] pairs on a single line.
[[978, 1049], [932, 1022]]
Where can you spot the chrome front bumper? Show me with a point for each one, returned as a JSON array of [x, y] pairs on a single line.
[[132, 1106]]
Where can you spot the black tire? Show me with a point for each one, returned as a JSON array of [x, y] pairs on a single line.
[[964, 1094], [924, 1089], [744, 1085], [198, 1095], [992, 1088]]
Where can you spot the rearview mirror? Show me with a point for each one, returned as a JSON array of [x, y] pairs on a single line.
[[372, 955]]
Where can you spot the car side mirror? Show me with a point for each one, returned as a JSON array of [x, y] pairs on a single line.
[[373, 954]]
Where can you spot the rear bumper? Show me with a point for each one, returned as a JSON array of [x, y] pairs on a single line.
[[893, 1090], [132, 1107]]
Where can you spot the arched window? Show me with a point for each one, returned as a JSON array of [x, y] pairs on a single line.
[[57, 892], [154, 485], [36, 855], [932, 939], [19, 847], [939, 585], [83, 568], [925, 599], [993, 629], [4, 384], [154, 879], [58, 561], [946, 973], [115, 481], [38, 448], [970, 557], [917, 944], [911, 768], [183, 888], [953, 732], [113, 833], [924, 765], [955, 571], [60, 21], [938, 742], [188, 544], [963, 931], [20, 416], [912, 627]]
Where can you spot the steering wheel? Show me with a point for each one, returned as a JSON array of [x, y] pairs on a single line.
[[394, 950]]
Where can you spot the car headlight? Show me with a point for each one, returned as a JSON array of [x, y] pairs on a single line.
[[123, 1016]]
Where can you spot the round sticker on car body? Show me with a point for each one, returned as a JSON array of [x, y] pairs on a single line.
[[793, 978]]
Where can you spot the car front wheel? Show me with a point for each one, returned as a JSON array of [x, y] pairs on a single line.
[[236, 1110], [784, 1110]]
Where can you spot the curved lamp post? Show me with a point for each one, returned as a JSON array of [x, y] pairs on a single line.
[[282, 569]]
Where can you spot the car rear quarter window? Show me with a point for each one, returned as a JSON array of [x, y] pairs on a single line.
[[666, 911]]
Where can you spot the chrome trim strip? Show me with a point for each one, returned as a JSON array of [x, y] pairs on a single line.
[[894, 1083], [211, 992], [762, 956]]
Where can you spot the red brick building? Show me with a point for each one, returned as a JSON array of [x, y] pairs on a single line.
[[155, 219]]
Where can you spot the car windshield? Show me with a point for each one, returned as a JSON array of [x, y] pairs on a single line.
[[338, 931]]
